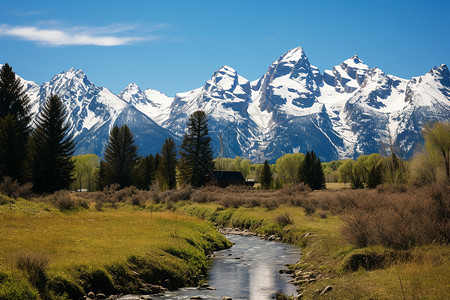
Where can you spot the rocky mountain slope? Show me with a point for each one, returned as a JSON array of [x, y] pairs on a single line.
[[344, 112]]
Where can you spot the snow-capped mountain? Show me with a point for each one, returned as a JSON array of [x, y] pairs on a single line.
[[286, 96], [93, 111], [152, 103], [344, 112], [225, 98]]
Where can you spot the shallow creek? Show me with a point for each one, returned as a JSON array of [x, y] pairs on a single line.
[[248, 270]]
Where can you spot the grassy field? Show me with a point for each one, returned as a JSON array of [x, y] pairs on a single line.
[[388, 243], [80, 243]]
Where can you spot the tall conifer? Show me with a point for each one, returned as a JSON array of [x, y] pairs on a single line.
[[51, 148], [266, 177], [196, 152], [311, 173], [121, 157], [167, 176], [15, 119]]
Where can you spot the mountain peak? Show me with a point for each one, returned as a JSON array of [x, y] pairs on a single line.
[[226, 70], [132, 87], [355, 63], [294, 55]]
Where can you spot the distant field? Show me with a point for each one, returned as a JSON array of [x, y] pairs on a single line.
[[337, 185]]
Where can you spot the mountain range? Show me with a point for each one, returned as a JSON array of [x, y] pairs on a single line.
[[344, 112]]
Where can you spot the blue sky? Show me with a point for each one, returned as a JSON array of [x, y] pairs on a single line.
[[175, 46]]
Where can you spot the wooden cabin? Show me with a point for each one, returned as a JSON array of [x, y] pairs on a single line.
[[225, 178]]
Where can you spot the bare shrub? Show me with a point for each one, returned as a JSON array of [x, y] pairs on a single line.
[[357, 230], [296, 189], [269, 203], [13, 189], [99, 198], [400, 219], [201, 196], [231, 201], [35, 266], [284, 219], [63, 200], [309, 206]]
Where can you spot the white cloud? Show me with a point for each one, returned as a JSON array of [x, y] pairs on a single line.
[[111, 35]]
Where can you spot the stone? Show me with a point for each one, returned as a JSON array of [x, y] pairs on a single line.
[[91, 295], [326, 290], [167, 284], [204, 286], [227, 298], [101, 296]]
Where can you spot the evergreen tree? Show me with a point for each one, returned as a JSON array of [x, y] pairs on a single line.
[[311, 173], [167, 176], [266, 176], [15, 119], [121, 157], [196, 153], [145, 173], [51, 149], [375, 176]]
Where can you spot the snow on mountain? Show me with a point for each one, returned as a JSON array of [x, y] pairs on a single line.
[[344, 112], [427, 99], [348, 76], [294, 121], [93, 111], [152, 103], [225, 98], [372, 111]]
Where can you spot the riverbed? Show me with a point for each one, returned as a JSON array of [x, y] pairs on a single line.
[[248, 270]]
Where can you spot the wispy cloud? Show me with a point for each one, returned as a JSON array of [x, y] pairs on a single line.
[[111, 35], [26, 13]]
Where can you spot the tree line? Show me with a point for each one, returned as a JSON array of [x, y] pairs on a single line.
[[44, 155]]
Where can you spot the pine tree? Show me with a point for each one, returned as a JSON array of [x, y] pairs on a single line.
[[266, 177], [375, 176], [145, 173], [51, 149], [196, 153], [15, 119], [167, 176], [121, 157], [311, 173]]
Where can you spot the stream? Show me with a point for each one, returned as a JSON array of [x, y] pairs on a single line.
[[248, 270]]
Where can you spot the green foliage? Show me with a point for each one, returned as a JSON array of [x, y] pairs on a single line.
[[351, 172], [437, 142], [51, 149], [310, 172], [121, 157], [330, 170], [196, 153], [166, 175], [266, 177], [15, 125], [287, 167], [16, 288], [86, 167], [237, 164]]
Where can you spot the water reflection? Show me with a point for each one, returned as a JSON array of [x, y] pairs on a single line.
[[248, 270]]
